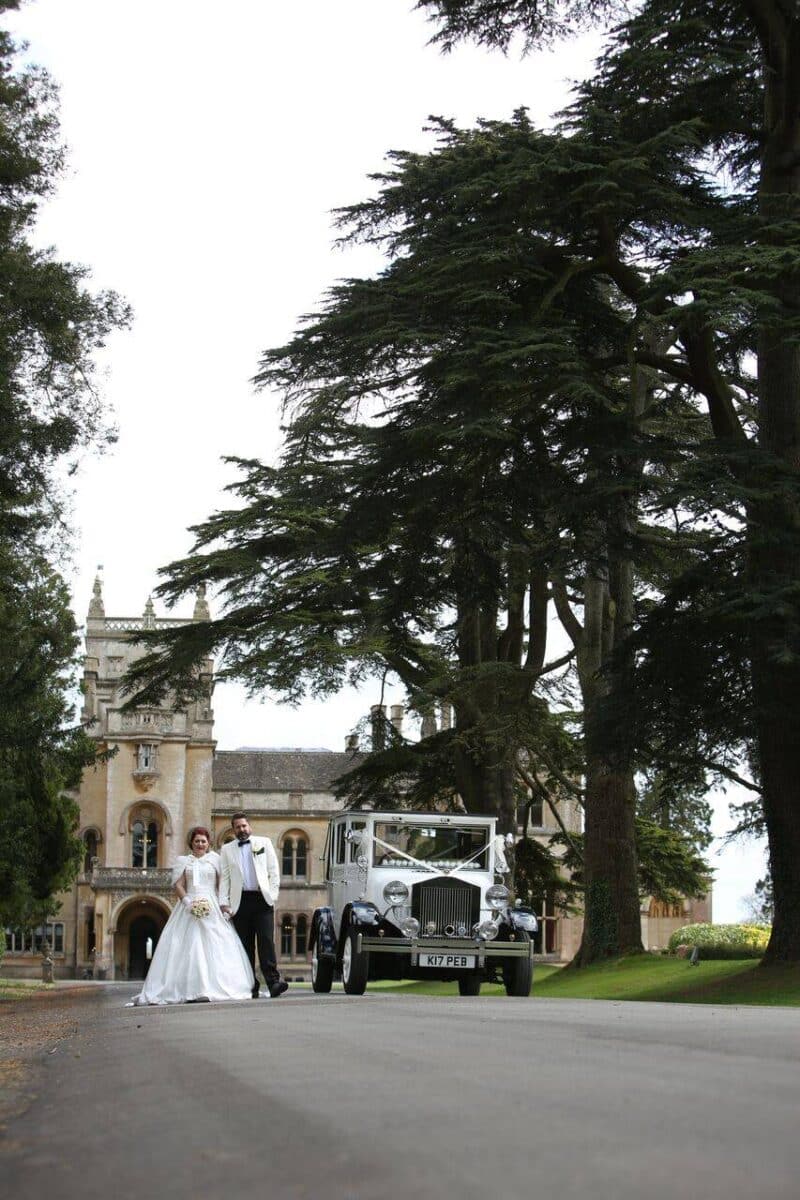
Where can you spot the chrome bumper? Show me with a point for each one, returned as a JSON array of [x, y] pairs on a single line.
[[413, 946]]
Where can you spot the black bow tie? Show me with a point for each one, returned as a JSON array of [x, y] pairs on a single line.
[[246, 842]]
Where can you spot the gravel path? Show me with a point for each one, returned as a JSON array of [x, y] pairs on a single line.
[[31, 1027]]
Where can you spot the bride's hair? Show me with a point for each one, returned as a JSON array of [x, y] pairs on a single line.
[[193, 832]]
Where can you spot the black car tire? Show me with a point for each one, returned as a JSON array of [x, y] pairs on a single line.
[[355, 966], [321, 972], [518, 972]]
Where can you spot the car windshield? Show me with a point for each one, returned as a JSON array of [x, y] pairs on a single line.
[[440, 845]]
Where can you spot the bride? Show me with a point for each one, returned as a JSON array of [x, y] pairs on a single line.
[[199, 955]]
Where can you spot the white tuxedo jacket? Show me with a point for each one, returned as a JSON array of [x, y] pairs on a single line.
[[268, 873]]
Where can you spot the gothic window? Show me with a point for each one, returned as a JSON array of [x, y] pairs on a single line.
[[146, 756], [294, 935], [31, 941], [91, 839], [301, 936], [144, 843], [294, 856]]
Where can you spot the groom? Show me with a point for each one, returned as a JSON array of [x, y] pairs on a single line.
[[248, 890]]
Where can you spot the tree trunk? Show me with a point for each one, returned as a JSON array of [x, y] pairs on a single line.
[[487, 789], [774, 525], [612, 921]]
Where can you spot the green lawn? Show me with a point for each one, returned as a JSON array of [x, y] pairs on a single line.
[[20, 989], [647, 977]]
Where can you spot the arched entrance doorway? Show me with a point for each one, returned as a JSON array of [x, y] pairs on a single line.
[[139, 927], [143, 930]]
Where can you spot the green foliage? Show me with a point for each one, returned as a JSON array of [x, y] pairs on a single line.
[[50, 324], [42, 754], [668, 864], [679, 805], [498, 22], [50, 329], [538, 876], [723, 941]]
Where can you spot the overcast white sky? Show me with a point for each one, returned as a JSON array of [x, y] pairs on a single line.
[[208, 145]]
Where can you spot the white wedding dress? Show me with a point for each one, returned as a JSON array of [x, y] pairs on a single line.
[[197, 957]]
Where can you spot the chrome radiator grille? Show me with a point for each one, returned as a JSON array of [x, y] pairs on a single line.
[[447, 904]]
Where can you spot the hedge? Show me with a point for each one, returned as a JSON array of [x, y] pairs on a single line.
[[722, 941]]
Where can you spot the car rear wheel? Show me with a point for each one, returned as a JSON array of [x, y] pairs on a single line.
[[469, 985], [518, 972], [355, 965], [321, 972]]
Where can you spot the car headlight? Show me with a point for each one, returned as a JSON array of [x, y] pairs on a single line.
[[395, 892], [409, 927], [487, 930], [497, 896]]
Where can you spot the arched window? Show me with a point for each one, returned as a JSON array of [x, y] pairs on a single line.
[[301, 936], [287, 930], [144, 843], [90, 843], [294, 856]]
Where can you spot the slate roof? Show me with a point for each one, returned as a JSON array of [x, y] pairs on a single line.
[[280, 770]]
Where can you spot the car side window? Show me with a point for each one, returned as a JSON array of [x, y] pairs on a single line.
[[356, 849], [340, 844]]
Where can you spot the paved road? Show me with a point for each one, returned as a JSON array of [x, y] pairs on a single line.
[[342, 1098]]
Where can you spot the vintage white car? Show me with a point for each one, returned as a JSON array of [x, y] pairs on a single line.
[[414, 896]]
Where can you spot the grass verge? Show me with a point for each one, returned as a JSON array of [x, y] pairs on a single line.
[[20, 989], [647, 977]]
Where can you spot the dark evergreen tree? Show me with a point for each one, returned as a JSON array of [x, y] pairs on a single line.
[[722, 77], [469, 432], [50, 328]]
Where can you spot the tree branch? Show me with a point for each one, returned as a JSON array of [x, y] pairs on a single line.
[[537, 786]]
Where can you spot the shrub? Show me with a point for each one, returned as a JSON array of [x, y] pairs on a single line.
[[722, 941]]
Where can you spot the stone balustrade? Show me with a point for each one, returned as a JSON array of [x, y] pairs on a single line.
[[133, 879]]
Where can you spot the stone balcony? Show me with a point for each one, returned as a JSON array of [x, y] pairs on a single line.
[[131, 879]]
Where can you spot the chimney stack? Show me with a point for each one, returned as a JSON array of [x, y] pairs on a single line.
[[397, 719], [377, 717]]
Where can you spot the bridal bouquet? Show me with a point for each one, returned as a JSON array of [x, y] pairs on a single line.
[[200, 908]]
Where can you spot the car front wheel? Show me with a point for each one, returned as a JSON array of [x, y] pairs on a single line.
[[321, 972], [518, 972], [355, 965]]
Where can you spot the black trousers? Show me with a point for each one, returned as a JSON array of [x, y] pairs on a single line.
[[255, 923]]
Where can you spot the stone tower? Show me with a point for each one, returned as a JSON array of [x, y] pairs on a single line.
[[138, 805]]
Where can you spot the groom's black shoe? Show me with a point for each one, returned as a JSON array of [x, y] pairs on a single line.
[[278, 989], [254, 995]]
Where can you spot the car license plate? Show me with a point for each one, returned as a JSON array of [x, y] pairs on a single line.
[[428, 959]]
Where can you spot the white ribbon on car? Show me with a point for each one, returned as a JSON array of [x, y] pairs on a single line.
[[425, 866]]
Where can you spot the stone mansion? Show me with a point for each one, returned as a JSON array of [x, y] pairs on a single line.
[[165, 775]]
